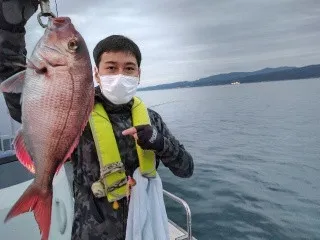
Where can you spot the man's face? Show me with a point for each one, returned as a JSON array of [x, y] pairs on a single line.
[[113, 63]]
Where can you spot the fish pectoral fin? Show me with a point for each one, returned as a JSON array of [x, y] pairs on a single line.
[[14, 83], [39, 202], [22, 153]]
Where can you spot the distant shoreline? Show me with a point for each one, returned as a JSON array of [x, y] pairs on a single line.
[[217, 85], [263, 75]]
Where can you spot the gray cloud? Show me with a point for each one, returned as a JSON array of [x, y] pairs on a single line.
[[186, 40]]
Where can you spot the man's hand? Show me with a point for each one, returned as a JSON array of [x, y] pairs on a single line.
[[147, 137], [14, 14]]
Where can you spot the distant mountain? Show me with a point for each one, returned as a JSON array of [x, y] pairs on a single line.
[[263, 75], [270, 70]]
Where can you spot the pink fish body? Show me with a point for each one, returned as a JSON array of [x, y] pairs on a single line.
[[57, 99]]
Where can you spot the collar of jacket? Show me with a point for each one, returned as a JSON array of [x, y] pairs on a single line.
[[109, 106]]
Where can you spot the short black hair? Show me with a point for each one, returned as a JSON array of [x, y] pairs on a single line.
[[116, 43]]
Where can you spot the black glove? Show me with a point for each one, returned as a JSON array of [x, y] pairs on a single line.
[[149, 138], [14, 14]]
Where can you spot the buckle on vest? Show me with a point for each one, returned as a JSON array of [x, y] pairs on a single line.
[[111, 168], [116, 185], [100, 189]]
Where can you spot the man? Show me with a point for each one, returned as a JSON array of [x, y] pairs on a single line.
[[117, 72]]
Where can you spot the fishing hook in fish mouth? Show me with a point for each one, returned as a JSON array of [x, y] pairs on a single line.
[[45, 12]]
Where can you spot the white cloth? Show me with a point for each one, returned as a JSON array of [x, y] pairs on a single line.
[[147, 216]]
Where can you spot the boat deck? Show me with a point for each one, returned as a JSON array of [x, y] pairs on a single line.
[[176, 232]]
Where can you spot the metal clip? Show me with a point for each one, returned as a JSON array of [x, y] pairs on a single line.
[[45, 12]]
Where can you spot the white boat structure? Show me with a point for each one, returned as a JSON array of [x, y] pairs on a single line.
[[235, 83], [14, 179], [6, 143]]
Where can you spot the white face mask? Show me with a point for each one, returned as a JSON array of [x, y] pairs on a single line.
[[118, 89]]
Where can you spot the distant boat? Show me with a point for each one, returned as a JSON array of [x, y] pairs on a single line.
[[235, 83]]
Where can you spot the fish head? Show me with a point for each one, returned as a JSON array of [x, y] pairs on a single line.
[[63, 45]]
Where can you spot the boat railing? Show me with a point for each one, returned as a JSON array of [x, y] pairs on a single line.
[[188, 213]]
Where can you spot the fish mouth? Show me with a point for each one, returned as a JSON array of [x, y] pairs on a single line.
[[58, 22]]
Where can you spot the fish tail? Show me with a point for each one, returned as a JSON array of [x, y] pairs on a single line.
[[40, 203]]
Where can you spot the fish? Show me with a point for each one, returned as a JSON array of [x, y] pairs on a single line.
[[57, 92]]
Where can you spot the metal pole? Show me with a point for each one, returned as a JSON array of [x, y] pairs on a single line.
[[188, 211]]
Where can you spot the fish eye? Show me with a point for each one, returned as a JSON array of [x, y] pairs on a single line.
[[73, 45]]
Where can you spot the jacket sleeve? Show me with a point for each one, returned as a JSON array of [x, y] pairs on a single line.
[[13, 47], [174, 155]]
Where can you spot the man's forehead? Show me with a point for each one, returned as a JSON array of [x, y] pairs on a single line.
[[118, 57]]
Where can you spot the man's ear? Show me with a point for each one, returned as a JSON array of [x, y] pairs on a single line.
[[96, 74], [139, 75]]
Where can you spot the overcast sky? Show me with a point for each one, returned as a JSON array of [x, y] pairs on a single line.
[[186, 40]]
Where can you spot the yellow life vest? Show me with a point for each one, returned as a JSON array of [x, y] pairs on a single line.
[[113, 180]]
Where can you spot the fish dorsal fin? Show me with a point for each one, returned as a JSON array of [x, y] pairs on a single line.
[[14, 83]]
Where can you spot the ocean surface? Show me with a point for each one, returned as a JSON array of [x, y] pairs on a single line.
[[256, 149]]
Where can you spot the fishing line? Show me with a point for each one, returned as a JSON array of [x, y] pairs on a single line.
[[56, 8], [160, 104]]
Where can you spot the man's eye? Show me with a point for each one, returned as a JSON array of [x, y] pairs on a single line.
[[110, 68], [130, 68]]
